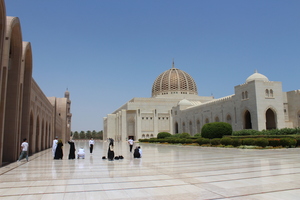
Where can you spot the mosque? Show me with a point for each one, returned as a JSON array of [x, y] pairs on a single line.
[[25, 111], [175, 107]]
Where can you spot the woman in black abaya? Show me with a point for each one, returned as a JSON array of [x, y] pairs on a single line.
[[59, 150], [111, 153], [72, 149]]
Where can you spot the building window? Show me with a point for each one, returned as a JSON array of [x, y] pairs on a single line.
[[271, 93], [267, 93]]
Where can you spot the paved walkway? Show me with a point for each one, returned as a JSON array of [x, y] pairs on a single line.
[[166, 172]]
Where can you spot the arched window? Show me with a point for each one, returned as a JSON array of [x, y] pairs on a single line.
[[198, 126], [267, 93], [228, 119], [246, 95], [206, 120], [191, 128], [271, 93], [217, 119]]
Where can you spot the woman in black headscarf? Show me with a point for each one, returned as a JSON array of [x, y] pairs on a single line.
[[59, 151], [72, 149], [111, 153]]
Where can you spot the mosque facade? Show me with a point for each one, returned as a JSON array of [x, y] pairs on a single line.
[[25, 111], [175, 107]]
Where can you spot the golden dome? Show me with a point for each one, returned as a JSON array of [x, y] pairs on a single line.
[[174, 81]]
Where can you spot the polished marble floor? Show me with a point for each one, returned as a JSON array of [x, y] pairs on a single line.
[[165, 172]]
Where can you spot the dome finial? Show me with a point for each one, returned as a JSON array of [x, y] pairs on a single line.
[[256, 71], [173, 65]]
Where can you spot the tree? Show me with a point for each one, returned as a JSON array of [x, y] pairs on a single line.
[[88, 134], [82, 135], [94, 134], [75, 135]]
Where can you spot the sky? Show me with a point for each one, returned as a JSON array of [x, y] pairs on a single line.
[[106, 52]]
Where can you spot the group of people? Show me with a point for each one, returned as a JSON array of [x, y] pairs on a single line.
[[57, 149], [137, 151]]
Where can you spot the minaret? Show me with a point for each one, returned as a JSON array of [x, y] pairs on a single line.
[[67, 94]]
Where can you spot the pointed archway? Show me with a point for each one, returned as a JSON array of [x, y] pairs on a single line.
[[247, 120], [176, 127], [270, 119]]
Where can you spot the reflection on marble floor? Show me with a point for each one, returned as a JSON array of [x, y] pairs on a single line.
[[164, 172]]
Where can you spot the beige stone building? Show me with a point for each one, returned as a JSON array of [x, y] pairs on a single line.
[[175, 107], [25, 111]]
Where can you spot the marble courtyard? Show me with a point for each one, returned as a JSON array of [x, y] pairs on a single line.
[[164, 172]]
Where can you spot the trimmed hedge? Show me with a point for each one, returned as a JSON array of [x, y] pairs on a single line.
[[288, 142], [248, 141], [215, 141], [163, 135], [236, 142], [185, 135], [216, 130], [283, 131], [262, 142], [226, 141], [202, 141]]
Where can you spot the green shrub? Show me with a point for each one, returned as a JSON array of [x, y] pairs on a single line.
[[298, 142], [185, 135], [189, 141], [216, 130], [274, 142], [144, 140], [202, 141], [288, 142], [197, 135], [163, 135], [236, 142], [248, 141], [153, 140], [289, 131], [215, 141], [246, 132], [226, 141], [262, 142], [177, 135]]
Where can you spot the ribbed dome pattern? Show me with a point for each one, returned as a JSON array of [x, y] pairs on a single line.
[[174, 81]]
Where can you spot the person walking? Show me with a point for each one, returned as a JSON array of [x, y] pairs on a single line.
[[130, 142], [91, 144], [54, 145], [24, 152]]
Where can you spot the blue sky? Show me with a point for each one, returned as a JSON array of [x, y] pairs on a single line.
[[108, 51]]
